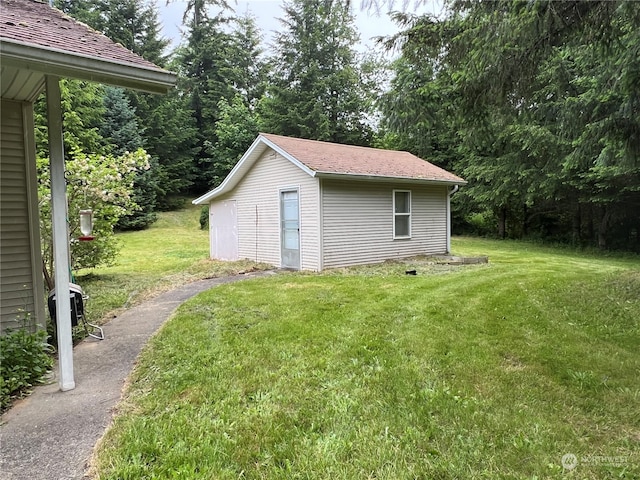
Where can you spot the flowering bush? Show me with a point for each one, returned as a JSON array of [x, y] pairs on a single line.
[[102, 183]]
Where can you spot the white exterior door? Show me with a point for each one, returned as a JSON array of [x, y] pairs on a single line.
[[290, 229], [223, 230]]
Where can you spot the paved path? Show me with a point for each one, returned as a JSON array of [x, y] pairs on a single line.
[[51, 434]]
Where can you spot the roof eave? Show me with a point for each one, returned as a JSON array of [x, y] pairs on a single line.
[[259, 145], [379, 178], [66, 64], [207, 197], [287, 155], [236, 173]]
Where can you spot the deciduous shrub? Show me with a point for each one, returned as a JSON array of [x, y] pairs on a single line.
[[24, 361], [204, 217], [102, 183]]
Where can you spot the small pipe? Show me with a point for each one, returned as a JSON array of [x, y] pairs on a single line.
[[453, 190]]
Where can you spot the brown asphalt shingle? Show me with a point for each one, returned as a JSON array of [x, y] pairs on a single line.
[[35, 23], [325, 157]]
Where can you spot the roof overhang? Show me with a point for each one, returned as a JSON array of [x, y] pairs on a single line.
[[253, 153], [60, 63], [382, 178]]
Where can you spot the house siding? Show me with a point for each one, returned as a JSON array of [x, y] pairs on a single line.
[[21, 286], [357, 222], [258, 194]]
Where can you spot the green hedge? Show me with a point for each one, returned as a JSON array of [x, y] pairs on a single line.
[[204, 217], [24, 361]]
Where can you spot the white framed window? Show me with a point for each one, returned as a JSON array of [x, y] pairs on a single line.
[[402, 214]]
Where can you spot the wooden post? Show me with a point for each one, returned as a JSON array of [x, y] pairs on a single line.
[[60, 234]]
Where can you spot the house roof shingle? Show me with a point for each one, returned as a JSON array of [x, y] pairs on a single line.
[[324, 159], [334, 158], [32, 22]]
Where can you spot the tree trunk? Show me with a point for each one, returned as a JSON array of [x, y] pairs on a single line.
[[602, 231], [525, 220], [590, 228], [502, 223], [47, 278], [576, 226]]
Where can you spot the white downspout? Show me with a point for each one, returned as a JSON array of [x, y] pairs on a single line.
[[60, 234], [453, 190]]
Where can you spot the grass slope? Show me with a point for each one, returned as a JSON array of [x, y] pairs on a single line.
[[472, 372], [171, 252]]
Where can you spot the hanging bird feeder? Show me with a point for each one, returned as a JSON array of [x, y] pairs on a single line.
[[86, 225]]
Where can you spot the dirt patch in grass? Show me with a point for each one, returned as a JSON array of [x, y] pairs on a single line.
[[421, 265]]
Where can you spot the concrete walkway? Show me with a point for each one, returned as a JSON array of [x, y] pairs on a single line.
[[51, 434]]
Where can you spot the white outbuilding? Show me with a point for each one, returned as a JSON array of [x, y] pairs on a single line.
[[311, 205]]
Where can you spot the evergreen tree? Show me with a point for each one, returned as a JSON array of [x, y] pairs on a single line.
[[251, 70], [144, 195], [82, 111], [219, 67], [166, 134], [419, 113], [237, 126], [83, 10], [195, 12], [120, 128], [316, 92], [119, 123], [170, 139], [153, 46], [207, 81], [135, 25], [235, 132], [549, 142]]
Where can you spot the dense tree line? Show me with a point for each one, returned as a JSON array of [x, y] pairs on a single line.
[[535, 103], [228, 90]]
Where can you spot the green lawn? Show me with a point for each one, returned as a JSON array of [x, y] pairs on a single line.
[[491, 371], [172, 252]]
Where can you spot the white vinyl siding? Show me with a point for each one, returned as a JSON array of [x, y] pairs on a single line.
[[258, 204], [21, 287], [223, 234], [358, 224]]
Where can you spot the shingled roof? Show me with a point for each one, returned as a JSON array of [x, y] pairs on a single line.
[[38, 37], [334, 160]]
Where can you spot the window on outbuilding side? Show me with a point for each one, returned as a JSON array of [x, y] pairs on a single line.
[[401, 214]]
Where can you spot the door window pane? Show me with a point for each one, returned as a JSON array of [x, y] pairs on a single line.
[[290, 210], [291, 239]]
